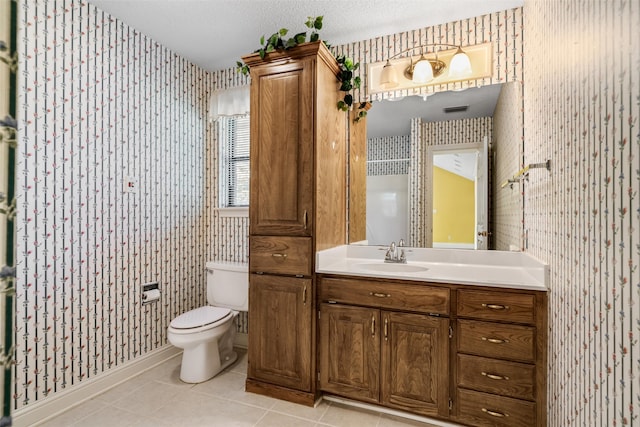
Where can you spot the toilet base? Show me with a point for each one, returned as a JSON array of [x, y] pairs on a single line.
[[207, 359]]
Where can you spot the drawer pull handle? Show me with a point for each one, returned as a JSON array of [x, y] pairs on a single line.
[[281, 256], [494, 413], [379, 295], [373, 326], [304, 295], [495, 377], [496, 306], [306, 219], [495, 340], [386, 329]]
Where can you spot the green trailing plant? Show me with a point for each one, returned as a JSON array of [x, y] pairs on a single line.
[[277, 41]]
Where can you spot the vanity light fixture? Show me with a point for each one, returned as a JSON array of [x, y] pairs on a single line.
[[427, 64], [426, 69]]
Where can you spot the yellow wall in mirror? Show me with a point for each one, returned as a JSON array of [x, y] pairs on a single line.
[[453, 208]]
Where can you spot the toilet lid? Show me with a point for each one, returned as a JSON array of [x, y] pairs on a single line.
[[199, 317]]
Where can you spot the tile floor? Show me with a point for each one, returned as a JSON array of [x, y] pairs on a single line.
[[157, 397]]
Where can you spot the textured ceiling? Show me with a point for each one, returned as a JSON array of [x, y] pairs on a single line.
[[215, 33]]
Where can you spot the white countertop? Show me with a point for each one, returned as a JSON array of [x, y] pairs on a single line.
[[515, 270]]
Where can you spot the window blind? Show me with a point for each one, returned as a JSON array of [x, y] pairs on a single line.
[[233, 133]]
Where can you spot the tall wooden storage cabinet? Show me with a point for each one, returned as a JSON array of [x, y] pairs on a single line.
[[297, 207]]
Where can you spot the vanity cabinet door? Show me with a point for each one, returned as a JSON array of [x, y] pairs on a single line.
[[280, 330], [350, 351], [282, 141], [415, 363]]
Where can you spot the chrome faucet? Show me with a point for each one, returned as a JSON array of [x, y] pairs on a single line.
[[392, 253]]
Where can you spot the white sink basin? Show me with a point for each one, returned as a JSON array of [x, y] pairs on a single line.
[[393, 268]]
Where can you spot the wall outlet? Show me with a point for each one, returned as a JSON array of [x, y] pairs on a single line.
[[129, 185]]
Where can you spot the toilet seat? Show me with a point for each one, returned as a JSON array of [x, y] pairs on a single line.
[[207, 316]]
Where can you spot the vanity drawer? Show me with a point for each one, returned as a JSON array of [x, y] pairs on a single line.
[[483, 409], [496, 340], [511, 379], [280, 255], [399, 296], [488, 305]]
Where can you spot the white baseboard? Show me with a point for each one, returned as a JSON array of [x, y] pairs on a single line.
[[64, 400]]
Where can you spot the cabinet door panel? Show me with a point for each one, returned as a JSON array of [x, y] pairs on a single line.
[[280, 310], [350, 351], [415, 363], [282, 150]]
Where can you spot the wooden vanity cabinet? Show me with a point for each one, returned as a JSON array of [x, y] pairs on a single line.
[[297, 207], [371, 349], [501, 357], [470, 354]]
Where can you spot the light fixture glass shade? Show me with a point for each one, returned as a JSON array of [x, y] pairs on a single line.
[[460, 65], [388, 76], [422, 71]]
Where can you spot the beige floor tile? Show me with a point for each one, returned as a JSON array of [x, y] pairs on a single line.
[[193, 409], [75, 414], [301, 411], [344, 416], [394, 421], [109, 417], [147, 399], [276, 419], [240, 366], [121, 390], [222, 384], [252, 399]]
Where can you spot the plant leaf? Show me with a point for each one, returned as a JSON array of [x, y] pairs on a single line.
[[300, 38], [348, 62], [309, 22], [348, 99], [262, 53], [270, 48], [314, 37], [356, 82], [262, 40], [317, 24], [283, 32]]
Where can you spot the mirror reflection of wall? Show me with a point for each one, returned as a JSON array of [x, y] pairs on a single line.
[[447, 118], [453, 198], [387, 189]]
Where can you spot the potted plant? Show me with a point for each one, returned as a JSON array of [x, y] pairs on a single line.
[[348, 82]]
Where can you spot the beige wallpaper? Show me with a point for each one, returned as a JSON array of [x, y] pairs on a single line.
[[582, 111], [506, 160]]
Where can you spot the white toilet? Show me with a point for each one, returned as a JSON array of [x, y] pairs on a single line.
[[207, 333]]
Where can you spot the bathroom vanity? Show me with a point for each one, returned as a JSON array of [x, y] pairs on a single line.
[[453, 335]]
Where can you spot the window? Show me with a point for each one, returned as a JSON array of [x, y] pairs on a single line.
[[233, 134]]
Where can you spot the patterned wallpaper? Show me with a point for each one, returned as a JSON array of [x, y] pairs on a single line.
[[102, 102], [506, 155], [582, 111], [8, 141], [424, 135], [388, 155]]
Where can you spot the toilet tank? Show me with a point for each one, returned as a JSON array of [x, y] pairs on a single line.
[[228, 285]]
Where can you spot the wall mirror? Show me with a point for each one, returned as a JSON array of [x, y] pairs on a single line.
[[429, 169]]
